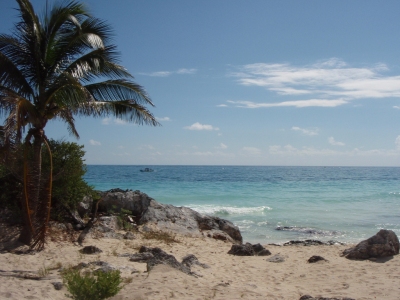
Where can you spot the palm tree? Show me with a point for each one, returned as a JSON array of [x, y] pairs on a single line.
[[56, 67]]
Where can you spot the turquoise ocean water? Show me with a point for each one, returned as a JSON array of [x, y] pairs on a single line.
[[273, 204]]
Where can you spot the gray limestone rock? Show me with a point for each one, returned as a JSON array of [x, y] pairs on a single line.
[[181, 220], [277, 258]]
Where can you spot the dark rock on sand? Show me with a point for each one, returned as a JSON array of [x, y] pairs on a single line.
[[316, 258], [248, 250], [164, 217], [308, 297], [90, 250], [383, 244], [57, 285]]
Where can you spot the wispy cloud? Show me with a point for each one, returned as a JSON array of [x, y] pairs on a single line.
[[328, 83], [169, 73], [332, 141], [222, 146], [251, 150], [298, 103], [310, 132], [199, 126], [164, 119], [186, 71], [290, 151], [158, 74], [108, 121], [397, 142], [94, 143]]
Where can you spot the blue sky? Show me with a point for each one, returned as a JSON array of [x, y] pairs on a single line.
[[252, 82]]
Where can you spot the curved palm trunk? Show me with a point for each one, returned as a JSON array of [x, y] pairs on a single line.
[[37, 194]]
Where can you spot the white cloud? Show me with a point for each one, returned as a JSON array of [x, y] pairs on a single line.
[[332, 141], [163, 119], [222, 146], [298, 103], [169, 73], [310, 132], [397, 142], [198, 126], [222, 105], [106, 121], [251, 150], [329, 83], [94, 143], [158, 74], [397, 107], [147, 147], [186, 71]]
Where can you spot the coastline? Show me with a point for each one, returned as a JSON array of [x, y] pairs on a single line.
[[228, 276]]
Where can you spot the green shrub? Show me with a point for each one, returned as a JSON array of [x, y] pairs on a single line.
[[87, 286], [69, 188]]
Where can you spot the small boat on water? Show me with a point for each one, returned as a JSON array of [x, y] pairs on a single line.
[[146, 170]]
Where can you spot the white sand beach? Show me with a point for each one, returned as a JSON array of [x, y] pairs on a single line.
[[228, 276]]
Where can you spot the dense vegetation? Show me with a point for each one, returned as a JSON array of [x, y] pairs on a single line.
[[69, 188]]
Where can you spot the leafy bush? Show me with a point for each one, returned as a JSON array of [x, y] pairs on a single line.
[[69, 188], [88, 286]]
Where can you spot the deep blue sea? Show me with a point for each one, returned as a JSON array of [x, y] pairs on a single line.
[[272, 204]]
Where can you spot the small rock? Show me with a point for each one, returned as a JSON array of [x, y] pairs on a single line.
[[277, 258], [57, 285], [129, 236], [316, 258], [90, 250]]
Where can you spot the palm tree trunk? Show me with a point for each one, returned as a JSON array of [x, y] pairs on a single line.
[[32, 185]]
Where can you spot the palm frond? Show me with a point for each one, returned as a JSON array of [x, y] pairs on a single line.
[[125, 110], [98, 63], [67, 117], [12, 78], [92, 34], [119, 89]]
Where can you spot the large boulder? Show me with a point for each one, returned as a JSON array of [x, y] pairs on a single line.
[[165, 217], [384, 243]]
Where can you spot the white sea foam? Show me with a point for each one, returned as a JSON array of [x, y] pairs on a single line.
[[229, 210]]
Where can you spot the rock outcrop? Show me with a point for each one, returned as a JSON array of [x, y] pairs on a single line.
[[383, 244], [249, 250], [165, 217], [156, 256]]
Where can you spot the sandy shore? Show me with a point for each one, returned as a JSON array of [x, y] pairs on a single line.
[[229, 277]]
